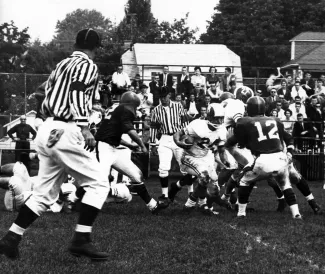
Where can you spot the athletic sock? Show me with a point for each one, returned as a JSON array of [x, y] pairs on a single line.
[[303, 187], [24, 219], [165, 191], [87, 217], [142, 191]]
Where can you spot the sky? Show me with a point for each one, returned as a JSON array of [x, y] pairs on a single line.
[[41, 16]]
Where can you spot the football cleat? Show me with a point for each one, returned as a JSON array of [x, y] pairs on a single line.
[[84, 247], [205, 210], [297, 217], [9, 245], [188, 209], [281, 205], [315, 207], [159, 207], [163, 200]]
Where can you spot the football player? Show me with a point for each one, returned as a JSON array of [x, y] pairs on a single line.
[[265, 138], [234, 110], [201, 140], [109, 154], [19, 185]]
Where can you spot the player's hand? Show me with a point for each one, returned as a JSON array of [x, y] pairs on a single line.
[[90, 142], [144, 150]]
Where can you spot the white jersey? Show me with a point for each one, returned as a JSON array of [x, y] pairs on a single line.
[[205, 137], [234, 109]]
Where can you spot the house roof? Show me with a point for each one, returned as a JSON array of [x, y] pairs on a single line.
[[185, 55], [14, 121], [309, 36], [311, 60]]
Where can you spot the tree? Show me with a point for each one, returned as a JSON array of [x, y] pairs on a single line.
[[176, 33], [81, 19], [259, 30], [13, 43], [138, 24]]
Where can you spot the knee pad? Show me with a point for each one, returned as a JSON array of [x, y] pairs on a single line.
[[121, 193], [20, 170], [163, 173]]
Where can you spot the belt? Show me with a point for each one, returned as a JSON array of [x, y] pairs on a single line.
[[62, 120], [169, 134]]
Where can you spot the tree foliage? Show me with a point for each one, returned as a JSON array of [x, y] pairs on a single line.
[[259, 30], [13, 43], [82, 19]]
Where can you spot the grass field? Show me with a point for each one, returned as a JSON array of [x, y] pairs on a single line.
[[138, 242]]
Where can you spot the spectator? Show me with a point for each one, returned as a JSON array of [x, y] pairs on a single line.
[[174, 88], [198, 80], [184, 83], [289, 81], [258, 92], [212, 77], [206, 103], [120, 82], [320, 88], [322, 77], [280, 111], [166, 79], [288, 121], [314, 113], [274, 113], [191, 106], [137, 82], [284, 92], [270, 101], [214, 92], [22, 147], [226, 78], [203, 113], [303, 128], [179, 99], [297, 90], [154, 89], [293, 107], [308, 84], [146, 100], [270, 82], [105, 96]]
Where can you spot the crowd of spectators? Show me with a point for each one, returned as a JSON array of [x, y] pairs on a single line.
[[299, 103]]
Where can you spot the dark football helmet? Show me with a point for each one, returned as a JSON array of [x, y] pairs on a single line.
[[130, 98], [255, 106], [244, 93]]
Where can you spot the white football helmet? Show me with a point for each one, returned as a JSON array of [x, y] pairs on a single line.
[[216, 114]]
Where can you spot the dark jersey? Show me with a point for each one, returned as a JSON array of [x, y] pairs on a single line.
[[261, 135], [112, 128]]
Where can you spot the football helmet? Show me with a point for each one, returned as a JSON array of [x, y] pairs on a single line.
[[255, 106], [226, 95], [130, 98], [244, 93]]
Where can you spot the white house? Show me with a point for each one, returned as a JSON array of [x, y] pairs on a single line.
[[149, 59], [6, 142]]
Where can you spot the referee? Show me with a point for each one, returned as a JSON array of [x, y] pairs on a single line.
[[64, 145], [167, 118]]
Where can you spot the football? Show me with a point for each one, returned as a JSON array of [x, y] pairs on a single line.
[[187, 139]]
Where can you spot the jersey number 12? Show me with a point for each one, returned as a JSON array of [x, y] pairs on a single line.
[[272, 132]]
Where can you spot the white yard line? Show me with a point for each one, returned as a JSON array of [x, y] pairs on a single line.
[[258, 240]]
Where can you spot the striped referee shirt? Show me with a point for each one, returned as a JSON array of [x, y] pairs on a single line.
[[168, 120], [70, 89]]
